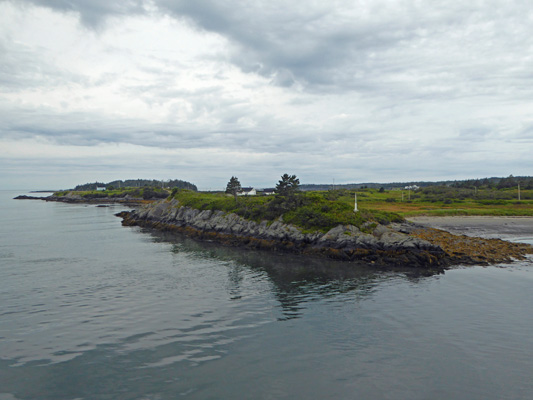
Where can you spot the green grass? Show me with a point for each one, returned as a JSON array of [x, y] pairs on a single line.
[[323, 210], [312, 211], [444, 201]]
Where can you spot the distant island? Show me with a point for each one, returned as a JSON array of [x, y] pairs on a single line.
[[137, 183]]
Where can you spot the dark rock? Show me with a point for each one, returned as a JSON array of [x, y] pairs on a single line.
[[386, 246], [24, 197]]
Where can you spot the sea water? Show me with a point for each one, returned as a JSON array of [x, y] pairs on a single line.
[[93, 310]]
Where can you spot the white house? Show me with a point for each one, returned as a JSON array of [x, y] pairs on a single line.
[[268, 191], [247, 191]]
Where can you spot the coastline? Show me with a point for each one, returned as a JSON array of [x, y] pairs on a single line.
[[425, 242], [409, 243], [76, 199]]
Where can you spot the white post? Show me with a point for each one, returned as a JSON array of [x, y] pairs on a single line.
[[355, 206]]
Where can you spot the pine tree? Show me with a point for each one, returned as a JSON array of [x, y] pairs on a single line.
[[288, 185], [233, 187]]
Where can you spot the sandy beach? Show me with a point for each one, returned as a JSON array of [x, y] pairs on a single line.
[[510, 228]]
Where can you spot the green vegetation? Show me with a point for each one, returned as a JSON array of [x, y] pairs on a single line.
[[288, 185], [525, 182], [311, 211], [323, 210], [146, 193], [448, 201], [138, 183], [233, 187]]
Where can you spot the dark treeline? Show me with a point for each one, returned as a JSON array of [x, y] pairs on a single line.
[[526, 182], [372, 185], [139, 183]]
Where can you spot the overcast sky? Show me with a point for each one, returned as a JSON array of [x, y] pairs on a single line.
[[345, 91]]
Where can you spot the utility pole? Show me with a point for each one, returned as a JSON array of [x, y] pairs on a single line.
[[518, 192]]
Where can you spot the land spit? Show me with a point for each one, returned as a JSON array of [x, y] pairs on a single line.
[[73, 197], [405, 244]]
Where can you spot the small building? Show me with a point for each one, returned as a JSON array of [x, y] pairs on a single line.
[[100, 188], [268, 191], [247, 191]]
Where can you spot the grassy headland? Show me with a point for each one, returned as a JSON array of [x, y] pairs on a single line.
[[312, 211], [323, 210], [320, 211]]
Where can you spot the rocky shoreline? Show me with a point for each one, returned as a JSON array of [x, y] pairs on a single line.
[[394, 245], [72, 197]]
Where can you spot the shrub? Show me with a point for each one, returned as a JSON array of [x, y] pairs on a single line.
[[308, 210]]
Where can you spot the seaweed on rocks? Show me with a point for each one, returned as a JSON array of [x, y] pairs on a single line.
[[395, 245]]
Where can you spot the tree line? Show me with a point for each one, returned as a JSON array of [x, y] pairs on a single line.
[[139, 183], [525, 182], [287, 186]]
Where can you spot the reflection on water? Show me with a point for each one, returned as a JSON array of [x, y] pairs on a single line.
[[93, 310], [296, 279]]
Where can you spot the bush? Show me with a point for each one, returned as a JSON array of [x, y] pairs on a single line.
[[151, 193], [308, 210]]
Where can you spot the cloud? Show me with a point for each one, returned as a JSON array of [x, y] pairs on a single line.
[[351, 90], [92, 13]]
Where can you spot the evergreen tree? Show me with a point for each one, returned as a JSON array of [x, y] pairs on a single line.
[[233, 187], [288, 185]]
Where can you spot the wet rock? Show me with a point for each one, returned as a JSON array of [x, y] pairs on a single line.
[[385, 246]]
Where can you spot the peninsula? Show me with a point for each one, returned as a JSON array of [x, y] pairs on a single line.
[[324, 223], [319, 224]]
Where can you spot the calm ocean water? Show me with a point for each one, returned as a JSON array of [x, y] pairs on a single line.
[[93, 310]]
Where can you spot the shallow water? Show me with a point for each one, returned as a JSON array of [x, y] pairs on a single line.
[[94, 310]]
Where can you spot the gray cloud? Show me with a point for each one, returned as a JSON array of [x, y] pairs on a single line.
[[92, 13], [22, 68], [398, 50], [354, 45], [352, 89]]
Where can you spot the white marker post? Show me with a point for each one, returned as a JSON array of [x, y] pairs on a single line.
[[355, 206]]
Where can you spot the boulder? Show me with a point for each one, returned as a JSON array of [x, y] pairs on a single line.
[[385, 246]]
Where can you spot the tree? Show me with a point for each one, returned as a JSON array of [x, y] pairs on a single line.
[[288, 185], [233, 187]]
